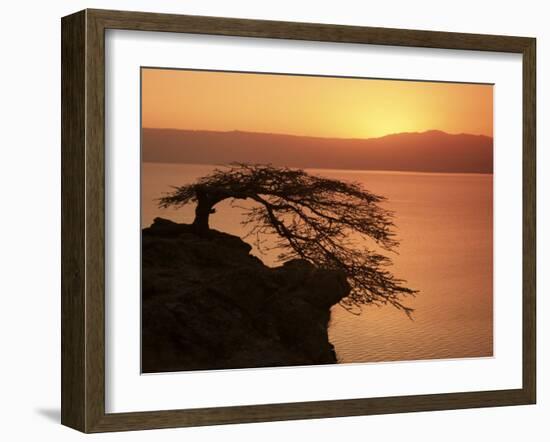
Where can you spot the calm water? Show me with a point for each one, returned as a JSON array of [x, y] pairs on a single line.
[[444, 222]]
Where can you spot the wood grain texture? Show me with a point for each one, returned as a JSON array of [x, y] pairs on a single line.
[[73, 128], [144, 21], [529, 220], [83, 218], [95, 222]]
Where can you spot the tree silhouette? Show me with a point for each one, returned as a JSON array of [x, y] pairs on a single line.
[[330, 223]]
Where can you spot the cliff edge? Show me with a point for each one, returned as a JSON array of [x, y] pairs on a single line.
[[207, 303]]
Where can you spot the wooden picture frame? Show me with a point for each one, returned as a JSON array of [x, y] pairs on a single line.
[[83, 220]]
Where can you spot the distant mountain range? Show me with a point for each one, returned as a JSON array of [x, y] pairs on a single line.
[[431, 151]]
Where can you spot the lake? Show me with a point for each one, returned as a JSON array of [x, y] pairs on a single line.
[[445, 226]]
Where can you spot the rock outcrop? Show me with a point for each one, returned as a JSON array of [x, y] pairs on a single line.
[[207, 303]]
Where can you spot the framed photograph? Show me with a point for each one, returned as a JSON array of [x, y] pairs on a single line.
[[266, 220]]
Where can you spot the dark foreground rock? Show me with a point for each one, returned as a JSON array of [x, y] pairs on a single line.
[[208, 304]]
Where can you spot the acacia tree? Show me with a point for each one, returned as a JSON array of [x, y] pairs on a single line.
[[330, 223]]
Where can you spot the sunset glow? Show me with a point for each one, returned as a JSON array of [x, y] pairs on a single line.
[[261, 194], [306, 105]]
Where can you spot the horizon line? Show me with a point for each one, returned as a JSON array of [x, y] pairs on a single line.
[[319, 136]]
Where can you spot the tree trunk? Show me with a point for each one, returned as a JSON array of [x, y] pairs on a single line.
[[202, 214], [205, 206]]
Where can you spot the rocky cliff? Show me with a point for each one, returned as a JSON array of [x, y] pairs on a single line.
[[208, 304]]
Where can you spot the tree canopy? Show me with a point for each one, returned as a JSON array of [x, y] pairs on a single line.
[[330, 223]]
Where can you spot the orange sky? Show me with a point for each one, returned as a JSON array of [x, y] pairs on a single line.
[[316, 106]]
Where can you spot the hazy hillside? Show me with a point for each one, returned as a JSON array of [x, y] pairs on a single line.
[[432, 151]]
